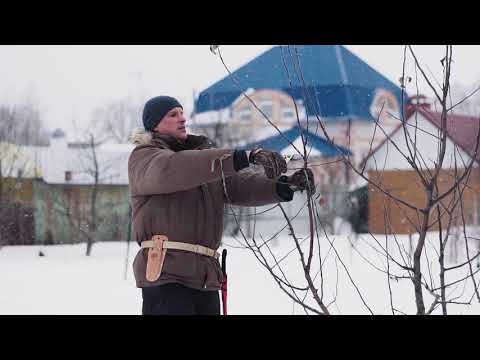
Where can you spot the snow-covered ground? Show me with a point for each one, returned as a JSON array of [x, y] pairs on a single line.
[[65, 281]]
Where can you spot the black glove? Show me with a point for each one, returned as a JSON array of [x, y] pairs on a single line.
[[273, 163], [298, 181]]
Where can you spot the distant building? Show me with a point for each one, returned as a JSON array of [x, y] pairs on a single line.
[[19, 168], [386, 166], [325, 161], [324, 157], [288, 87], [333, 85], [56, 192]]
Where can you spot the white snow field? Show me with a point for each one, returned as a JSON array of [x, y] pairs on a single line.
[[65, 281]]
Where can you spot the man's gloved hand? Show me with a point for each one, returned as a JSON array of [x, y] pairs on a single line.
[[298, 181], [273, 163]]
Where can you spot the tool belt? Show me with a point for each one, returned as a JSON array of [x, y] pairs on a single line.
[[158, 248]]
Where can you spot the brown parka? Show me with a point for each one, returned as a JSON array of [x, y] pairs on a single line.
[[176, 190]]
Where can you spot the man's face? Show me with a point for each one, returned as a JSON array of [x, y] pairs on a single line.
[[173, 123]]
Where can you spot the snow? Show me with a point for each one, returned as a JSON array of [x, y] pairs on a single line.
[[212, 117], [65, 281], [51, 162], [112, 164]]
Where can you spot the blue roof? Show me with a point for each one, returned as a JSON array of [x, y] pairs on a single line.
[[280, 142], [337, 82]]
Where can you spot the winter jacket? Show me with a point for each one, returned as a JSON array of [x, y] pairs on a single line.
[[176, 190]]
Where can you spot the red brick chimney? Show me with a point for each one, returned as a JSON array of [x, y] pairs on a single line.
[[417, 101]]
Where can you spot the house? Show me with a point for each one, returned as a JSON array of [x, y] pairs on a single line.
[[300, 83], [57, 195], [387, 167], [72, 172], [324, 159], [321, 153], [19, 167]]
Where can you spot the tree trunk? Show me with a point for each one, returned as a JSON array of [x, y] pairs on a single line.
[[89, 246], [417, 272]]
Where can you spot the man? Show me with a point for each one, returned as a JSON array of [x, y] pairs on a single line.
[[179, 184]]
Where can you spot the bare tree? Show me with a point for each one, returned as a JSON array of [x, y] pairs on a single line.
[[22, 124], [440, 200], [443, 205], [96, 170], [17, 169], [15, 216], [116, 119], [14, 164], [465, 100]]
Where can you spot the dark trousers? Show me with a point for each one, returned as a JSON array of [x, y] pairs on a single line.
[[176, 299]]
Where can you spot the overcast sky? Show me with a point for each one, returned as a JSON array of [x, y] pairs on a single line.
[[68, 81]]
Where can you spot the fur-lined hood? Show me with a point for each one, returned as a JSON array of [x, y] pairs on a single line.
[[140, 136]]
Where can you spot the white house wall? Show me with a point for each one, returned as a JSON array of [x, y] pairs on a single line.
[[389, 158], [365, 137], [361, 133]]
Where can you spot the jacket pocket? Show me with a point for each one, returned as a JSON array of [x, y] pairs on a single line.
[[181, 264]]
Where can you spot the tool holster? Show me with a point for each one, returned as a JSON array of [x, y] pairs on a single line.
[[156, 257]]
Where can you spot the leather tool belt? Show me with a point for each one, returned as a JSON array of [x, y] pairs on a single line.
[[158, 248]]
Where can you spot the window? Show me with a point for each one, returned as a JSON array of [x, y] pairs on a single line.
[[68, 175], [267, 108], [288, 113], [244, 114]]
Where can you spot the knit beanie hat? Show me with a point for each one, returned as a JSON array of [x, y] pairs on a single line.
[[156, 108]]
